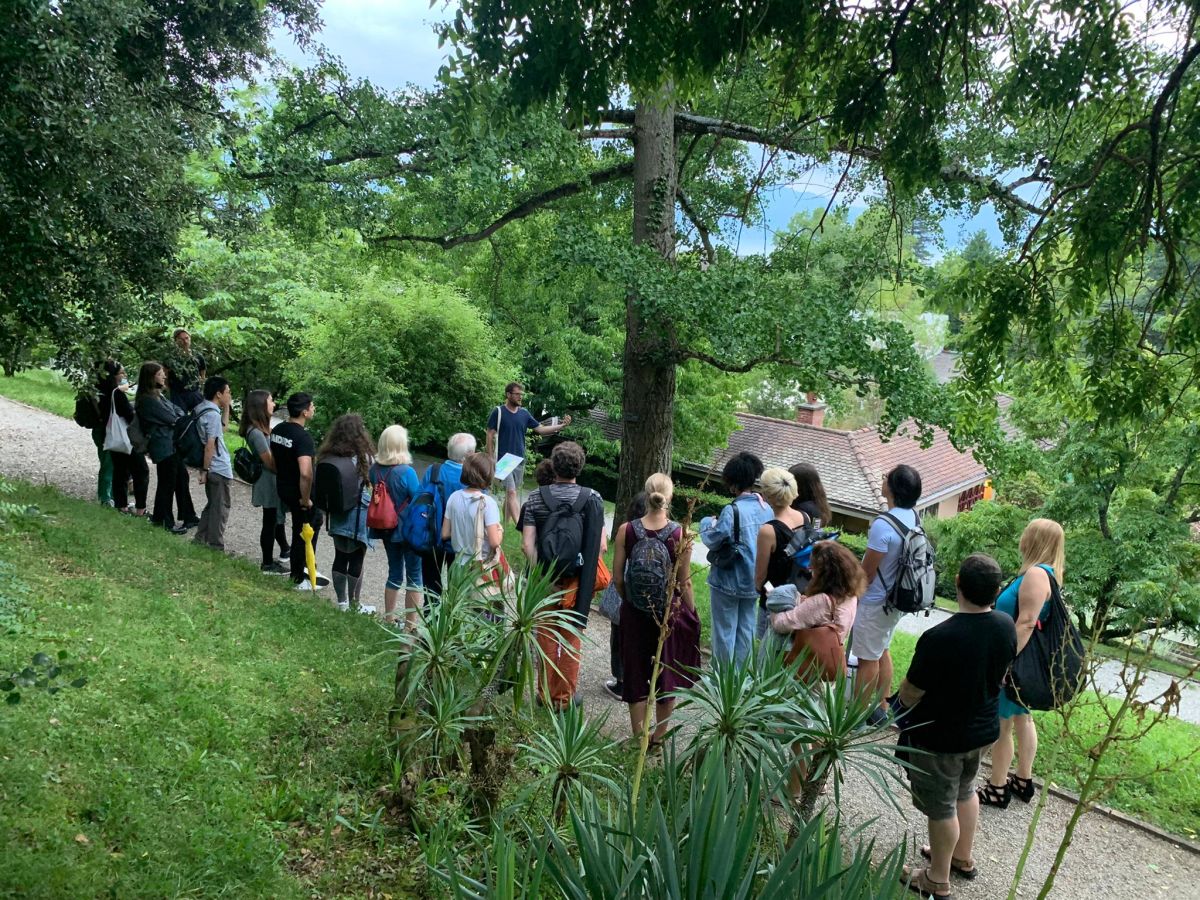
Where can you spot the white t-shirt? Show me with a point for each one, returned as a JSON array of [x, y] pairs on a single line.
[[461, 509], [884, 537]]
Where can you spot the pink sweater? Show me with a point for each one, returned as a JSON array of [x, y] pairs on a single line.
[[812, 611]]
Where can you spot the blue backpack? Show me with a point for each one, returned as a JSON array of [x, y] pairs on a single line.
[[799, 551], [421, 517]]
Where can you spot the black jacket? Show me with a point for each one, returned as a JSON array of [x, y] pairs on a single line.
[[157, 417]]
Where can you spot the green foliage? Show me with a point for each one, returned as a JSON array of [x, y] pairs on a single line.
[[41, 388], [104, 100], [707, 503], [988, 527], [413, 353], [44, 673]]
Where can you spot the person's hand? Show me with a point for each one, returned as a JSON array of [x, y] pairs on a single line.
[[566, 420], [306, 504], [203, 476]]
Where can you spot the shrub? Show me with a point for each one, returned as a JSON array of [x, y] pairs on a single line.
[[419, 355]]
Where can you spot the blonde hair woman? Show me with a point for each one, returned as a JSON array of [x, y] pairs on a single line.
[[1042, 553], [393, 464], [771, 564], [640, 629]]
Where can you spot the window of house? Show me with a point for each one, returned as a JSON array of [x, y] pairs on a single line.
[[970, 497]]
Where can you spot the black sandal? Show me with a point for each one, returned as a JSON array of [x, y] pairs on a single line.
[[990, 795], [963, 868], [1021, 788]]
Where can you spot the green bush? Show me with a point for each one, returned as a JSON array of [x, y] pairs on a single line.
[[988, 527], [420, 356], [707, 504]]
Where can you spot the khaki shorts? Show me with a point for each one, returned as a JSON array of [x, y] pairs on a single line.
[[515, 479], [873, 630], [947, 779]]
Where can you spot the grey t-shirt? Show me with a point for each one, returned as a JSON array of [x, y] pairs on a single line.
[[211, 426], [461, 510], [264, 493]]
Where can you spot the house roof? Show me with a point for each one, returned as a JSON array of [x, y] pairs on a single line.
[[852, 463]]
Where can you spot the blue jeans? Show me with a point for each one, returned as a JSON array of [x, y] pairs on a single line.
[[733, 621], [404, 567]]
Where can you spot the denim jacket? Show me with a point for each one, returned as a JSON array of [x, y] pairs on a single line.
[[736, 580]]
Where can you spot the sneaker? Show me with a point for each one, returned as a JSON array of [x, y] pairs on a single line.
[[614, 688], [179, 529], [191, 523], [877, 717], [274, 567], [306, 585], [367, 610], [322, 580], [343, 605]]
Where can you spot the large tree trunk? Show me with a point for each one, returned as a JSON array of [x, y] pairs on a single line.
[[648, 404]]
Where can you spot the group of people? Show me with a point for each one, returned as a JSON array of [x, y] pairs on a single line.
[[949, 704]]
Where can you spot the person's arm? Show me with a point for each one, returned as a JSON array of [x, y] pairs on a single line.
[[492, 429], [529, 543], [807, 613], [720, 531], [210, 450], [878, 540], [910, 694], [446, 528], [305, 464], [268, 460], [618, 565], [870, 564], [766, 546], [1033, 593], [552, 429], [683, 577], [492, 526]]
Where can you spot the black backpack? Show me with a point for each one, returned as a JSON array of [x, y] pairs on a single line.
[[189, 446], [1049, 671], [247, 464], [648, 570], [87, 410], [337, 486], [560, 538]]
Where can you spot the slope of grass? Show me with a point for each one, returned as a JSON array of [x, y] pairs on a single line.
[[41, 388], [226, 726]]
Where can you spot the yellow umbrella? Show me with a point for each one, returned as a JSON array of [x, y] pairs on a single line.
[[310, 557]]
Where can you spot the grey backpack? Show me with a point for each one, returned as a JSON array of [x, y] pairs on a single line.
[[648, 569], [912, 591]]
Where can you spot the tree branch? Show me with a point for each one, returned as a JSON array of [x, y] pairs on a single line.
[[787, 139], [522, 210], [606, 134], [701, 229]]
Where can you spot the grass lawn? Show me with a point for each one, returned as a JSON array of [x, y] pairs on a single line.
[[226, 725], [41, 388]]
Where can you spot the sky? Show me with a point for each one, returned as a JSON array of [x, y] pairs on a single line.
[[392, 44]]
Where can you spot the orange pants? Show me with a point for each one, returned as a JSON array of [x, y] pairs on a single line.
[[559, 678]]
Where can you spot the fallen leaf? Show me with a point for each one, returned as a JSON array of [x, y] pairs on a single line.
[[55, 722], [82, 839]]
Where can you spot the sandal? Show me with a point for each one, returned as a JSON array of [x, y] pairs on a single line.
[[963, 868], [990, 795], [919, 882], [1021, 788]]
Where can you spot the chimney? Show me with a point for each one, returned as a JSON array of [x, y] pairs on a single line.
[[811, 411]]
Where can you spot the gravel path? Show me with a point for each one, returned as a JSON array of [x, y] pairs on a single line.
[[1108, 859]]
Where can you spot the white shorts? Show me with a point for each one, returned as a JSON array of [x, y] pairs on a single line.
[[873, 630]]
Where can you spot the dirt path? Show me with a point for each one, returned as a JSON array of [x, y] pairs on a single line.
[[1109, 858]]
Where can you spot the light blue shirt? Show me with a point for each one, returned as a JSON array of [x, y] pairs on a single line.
[[884, 537], [211, 425]]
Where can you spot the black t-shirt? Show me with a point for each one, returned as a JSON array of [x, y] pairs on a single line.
[[960, 665], [289, 442]]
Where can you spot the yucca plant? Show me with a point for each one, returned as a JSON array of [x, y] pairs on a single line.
[[531, 606], [838, 742], [698, 840], [741, 710], [568, 755]]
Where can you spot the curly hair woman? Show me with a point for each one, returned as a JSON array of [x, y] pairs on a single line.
[[348, 438]]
